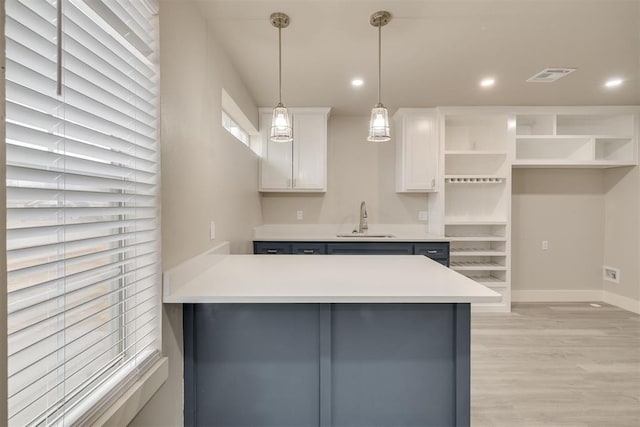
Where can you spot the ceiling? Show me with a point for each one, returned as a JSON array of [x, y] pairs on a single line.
[[434, 52]]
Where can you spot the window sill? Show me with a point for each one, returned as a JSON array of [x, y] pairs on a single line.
[[123, 410]]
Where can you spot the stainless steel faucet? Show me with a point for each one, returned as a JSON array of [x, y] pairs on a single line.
[[364, 225]]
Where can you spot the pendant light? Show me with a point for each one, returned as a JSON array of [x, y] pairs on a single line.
[[281, 130], [379, 130]]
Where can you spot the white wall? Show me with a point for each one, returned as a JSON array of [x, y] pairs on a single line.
[[565, 207], [206, 173], [356, 171], [622, 235]]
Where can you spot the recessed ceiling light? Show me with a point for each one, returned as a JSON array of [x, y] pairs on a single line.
[[488, 82], [357, 82], [613, 82]]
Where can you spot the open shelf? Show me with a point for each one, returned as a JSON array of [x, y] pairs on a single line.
[[576, 148], [477, 266], [477, 201], [535, 163], [472, 134], [535, 124], [488, 278], [476, 252], [594, 124], [575, 140], [475, 153], [474, 221], [475, 238], [475, 175], [462, 248], [483, 165]]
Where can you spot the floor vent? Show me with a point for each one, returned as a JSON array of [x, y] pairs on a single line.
[[549, 75]]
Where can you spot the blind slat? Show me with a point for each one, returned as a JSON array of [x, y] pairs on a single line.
[[30, 300], [70, 308], [67, 263], [82, 275], [97, 374], [15, 390], [81, 320], [79, 125], [28, 364], [25, 156]]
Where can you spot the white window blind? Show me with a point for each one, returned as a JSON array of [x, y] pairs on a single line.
[[82, 203]]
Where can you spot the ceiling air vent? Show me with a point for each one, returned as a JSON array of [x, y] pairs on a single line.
[[549, 75]]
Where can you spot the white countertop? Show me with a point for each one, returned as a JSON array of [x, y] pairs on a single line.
[[218, 278], [330, 232]]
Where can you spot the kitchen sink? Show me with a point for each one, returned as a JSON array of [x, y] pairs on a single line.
[[365, 235]]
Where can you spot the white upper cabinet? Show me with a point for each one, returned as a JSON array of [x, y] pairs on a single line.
[[301, 165], [417, 150]]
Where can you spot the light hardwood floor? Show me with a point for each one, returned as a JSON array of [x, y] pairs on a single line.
[[560, 364]]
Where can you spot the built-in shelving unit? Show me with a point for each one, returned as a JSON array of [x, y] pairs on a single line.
[[478, 149], [477, 199], [575, 140]]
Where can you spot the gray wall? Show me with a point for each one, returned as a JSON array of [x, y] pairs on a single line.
[[622, 231], [206, 173], [565, 207], [356, 171]]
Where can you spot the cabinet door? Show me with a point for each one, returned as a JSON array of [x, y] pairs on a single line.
[[417, 152], [271, 248], [306, 248], [309, 151], [437, 251], [370, 248], [276, 160]]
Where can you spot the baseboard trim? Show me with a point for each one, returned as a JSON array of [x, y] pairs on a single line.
[[623, 302], [556, 295]]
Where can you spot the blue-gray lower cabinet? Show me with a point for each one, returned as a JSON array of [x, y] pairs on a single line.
[[321, 365], [438, 251]]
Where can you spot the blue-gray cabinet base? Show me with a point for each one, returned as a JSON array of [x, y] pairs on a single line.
[[353, 365]]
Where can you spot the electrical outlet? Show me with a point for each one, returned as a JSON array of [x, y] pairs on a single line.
[[611, 274], [212, 230], [423, 215], [299, 215], [545, 245]]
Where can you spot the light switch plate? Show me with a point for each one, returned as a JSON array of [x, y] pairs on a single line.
[[212, 230], [423, 215], [299, 215]]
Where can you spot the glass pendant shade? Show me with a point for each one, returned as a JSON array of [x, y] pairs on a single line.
[[281, 130], [379, 130]]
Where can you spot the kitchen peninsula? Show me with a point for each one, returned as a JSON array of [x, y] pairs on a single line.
[[324, 340]]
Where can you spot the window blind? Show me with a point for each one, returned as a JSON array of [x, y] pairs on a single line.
[[82, 203]]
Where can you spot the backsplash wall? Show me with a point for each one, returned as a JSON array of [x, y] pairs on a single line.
[[356, 171]]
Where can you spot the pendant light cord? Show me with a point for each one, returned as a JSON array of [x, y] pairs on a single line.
[[379, 60], [280, 63]]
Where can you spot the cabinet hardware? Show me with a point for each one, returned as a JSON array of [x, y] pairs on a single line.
[[308, 251], [272, 251], [432, 251]]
